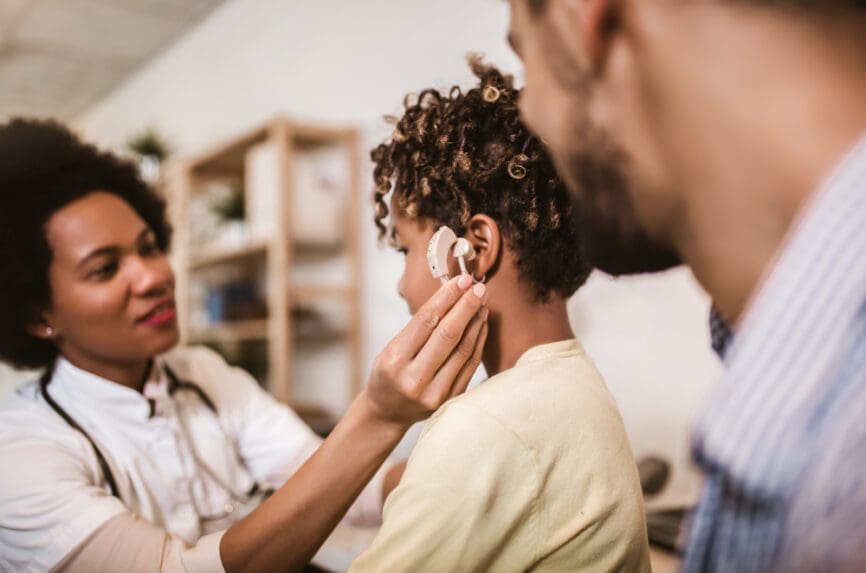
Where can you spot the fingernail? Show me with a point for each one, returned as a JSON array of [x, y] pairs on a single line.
[[464, 281], [479, 289]]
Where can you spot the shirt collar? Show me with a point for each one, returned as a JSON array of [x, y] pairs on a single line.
[[721, 333], [777, 366], [550, 350], [84, 391]]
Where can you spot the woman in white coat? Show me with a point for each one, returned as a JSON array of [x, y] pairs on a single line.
[[132, 454]]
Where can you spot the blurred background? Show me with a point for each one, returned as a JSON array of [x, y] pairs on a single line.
[[245, 111]]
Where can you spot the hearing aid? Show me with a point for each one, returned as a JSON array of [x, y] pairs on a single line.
[[443, 243], [463, 251]]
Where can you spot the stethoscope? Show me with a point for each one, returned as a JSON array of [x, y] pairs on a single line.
[[174, 385]]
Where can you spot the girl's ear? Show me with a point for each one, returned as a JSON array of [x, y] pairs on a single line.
[[483, 233]]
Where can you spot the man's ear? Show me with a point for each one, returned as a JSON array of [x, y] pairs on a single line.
[[585, 28], [483, 233]]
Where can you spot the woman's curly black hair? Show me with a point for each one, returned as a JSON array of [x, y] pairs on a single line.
[[459, 154], [43, 168]]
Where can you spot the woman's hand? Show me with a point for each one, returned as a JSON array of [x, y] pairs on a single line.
[[433, 358]]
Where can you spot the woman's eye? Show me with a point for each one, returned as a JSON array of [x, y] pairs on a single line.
[[103, 271]]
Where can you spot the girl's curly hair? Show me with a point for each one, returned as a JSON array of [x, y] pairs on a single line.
[[458, 154]]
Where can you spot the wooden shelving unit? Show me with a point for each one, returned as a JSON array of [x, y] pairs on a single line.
[[203, 258], [234, 331], [275, 256]]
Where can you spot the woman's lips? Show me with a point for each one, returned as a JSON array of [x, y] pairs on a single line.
[[160, 316]]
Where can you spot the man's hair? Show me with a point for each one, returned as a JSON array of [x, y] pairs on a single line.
[[454, 155], [43, 168]]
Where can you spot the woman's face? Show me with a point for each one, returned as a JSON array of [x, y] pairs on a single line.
[[413, 236], [111, 285]]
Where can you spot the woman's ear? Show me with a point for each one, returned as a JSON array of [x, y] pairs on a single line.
[[41, 331], [41, 328], [483, 233]]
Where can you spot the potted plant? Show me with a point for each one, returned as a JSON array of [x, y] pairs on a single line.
[[151, 150], [229, 205]]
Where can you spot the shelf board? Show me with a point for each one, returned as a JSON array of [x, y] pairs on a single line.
[[211, 257], [310, 137], [204, 257], [306, 294], [227, 158], [312, 250], [234, 331], [321, 335]]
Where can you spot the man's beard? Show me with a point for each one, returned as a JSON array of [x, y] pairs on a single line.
[[611, 237]]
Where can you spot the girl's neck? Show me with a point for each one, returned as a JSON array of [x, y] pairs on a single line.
[[523, 326]]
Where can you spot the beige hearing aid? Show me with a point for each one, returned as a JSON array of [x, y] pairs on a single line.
[[443, 243]]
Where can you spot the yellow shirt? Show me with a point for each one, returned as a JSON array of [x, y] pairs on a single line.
[[531, 470]]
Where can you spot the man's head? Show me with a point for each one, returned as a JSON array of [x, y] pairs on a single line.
[[560, 103], [631, 95]]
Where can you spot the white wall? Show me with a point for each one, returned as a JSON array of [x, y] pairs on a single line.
[[331, 60], [348, 61], [649, 338]]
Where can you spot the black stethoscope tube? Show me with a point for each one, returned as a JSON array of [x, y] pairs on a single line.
[[174, 384]]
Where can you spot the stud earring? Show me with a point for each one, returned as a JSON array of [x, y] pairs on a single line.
[[49, 331]]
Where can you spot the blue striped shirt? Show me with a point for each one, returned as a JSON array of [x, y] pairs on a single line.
[[783, 441]]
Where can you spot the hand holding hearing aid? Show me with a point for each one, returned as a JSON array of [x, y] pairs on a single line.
[[443, 243]]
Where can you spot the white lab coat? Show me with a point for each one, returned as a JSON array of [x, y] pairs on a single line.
[[53, 495]]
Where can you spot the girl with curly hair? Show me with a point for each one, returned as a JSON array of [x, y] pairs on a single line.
[[532, 469]]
